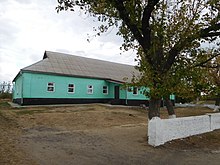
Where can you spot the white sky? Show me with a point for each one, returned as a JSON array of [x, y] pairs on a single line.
[[29, 27]]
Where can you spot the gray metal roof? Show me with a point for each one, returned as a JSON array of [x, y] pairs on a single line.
[[71, 65]]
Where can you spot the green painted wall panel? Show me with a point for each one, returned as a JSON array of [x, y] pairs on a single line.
[[35, 86], [138, 96]]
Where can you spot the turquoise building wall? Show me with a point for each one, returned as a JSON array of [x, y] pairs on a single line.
[[125, 94], [34, 85], [18, 87], [29, 85]]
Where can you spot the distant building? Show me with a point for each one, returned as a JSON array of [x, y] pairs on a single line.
[[67, 79]]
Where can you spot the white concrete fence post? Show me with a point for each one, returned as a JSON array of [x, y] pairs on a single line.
[[155, 132], [215, 121]]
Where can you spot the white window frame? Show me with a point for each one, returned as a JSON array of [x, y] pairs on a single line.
[[71, 88], [90, 89], [50, 85], [105, 89], [135, 89]]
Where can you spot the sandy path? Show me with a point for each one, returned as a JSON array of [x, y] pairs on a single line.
[[116, 145]]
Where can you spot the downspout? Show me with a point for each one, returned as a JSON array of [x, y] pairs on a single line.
[[126, 96]]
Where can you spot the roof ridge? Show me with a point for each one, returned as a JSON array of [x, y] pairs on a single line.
[[73, 55]]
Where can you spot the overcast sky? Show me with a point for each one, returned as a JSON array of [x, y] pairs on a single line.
[[29, 27]]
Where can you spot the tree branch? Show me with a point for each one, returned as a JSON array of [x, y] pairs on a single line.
[[207, 32], [210, 31], [209, 66], [124, 15], [170, 59], [213, 34], [143, 36], [204, 62], [145, 22]]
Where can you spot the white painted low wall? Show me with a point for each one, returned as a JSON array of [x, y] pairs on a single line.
[[164, 130], [215, 121]]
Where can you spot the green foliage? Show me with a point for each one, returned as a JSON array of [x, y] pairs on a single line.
[[168, 38], [213, 78]]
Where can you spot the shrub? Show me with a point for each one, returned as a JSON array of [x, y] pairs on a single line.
[[5, 96]]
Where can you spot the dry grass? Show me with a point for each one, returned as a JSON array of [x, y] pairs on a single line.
[[187, 111]]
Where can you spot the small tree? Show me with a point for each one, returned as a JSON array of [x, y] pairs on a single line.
[[215, 74], [208, 81], [5, 90], [3, 87], [214, 80]]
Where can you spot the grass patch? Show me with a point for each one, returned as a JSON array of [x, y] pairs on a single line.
[[29, 112], [24, 112]]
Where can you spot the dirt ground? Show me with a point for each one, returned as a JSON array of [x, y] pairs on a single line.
[[96, 134]]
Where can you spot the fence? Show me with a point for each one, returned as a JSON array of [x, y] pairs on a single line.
[[164, 130]]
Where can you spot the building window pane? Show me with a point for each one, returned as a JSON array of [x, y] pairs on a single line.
[[90, 89], [105, 90], [135, 90], [71, 88], [50, 87]]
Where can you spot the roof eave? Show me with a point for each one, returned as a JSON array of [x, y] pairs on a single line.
[[79, 76], [19, 73]]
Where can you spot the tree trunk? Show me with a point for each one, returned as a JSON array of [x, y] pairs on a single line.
[[217, 101], [154, 108], [170, 108]]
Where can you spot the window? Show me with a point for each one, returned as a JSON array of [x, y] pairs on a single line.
[[71, 88], [135, 90], [90, 89], [105, 90], [50, 87]]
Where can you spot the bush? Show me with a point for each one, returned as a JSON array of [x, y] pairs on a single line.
[[5, 96]]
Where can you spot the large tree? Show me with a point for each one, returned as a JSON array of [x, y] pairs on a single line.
[[165, 34]]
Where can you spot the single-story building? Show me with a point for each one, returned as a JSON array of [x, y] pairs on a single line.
[[68, 79]]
